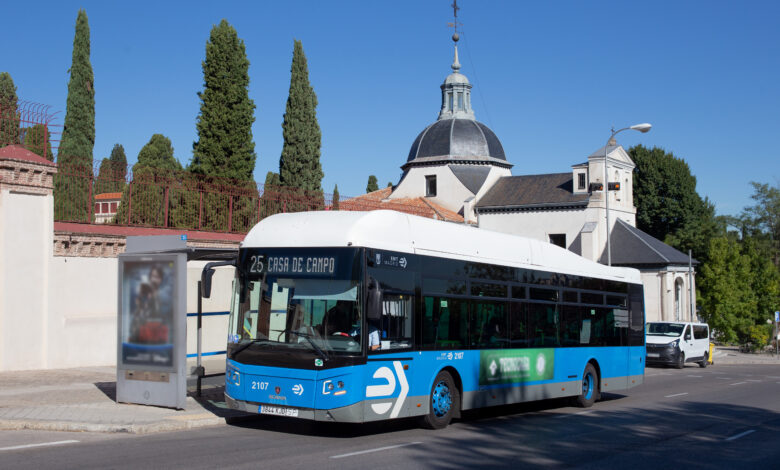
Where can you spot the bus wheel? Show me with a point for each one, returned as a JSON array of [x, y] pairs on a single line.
[[590, 387], [445, 400]]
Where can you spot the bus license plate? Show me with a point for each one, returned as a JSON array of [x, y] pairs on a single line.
[[278, 411], [653, 355]]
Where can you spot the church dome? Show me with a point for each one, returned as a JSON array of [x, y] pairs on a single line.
[[458, 140]]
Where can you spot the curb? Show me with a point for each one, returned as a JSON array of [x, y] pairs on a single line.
[[75, 426]]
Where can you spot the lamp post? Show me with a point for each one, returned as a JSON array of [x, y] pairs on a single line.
[[644, 127]]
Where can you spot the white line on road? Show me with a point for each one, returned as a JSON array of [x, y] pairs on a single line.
[[676, 395], [725, 378], [574, 414], [43, 444], [772, 377], [697, 376], [738, 383], [742, 434], [341, 456], [753, 380]]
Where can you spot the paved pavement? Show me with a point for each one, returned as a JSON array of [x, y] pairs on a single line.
[[83, 399]]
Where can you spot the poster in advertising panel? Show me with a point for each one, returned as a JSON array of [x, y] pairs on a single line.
[[147, 333]]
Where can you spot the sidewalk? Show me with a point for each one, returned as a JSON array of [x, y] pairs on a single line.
[[83, 399], [731, 355]]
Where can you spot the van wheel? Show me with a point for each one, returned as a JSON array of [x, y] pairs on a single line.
[[704, 361], [681, 360], [445, 401], [590, 388]]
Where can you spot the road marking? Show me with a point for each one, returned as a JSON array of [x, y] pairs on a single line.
[[725, 378], [753, 380], [43, 444], [772, 377], [739, 383], [341, 456], [574, 414], [742, 434], [676, 395], [697, 376]]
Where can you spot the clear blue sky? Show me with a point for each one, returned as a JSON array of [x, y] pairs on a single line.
[[550, 78]]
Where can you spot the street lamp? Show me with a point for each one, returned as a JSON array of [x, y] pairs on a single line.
[[644, 127]]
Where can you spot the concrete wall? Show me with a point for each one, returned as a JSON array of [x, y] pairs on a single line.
[[538, 224]]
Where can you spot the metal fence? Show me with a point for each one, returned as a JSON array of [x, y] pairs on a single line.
[[152, 197]]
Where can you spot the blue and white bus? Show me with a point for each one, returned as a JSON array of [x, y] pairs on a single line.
[[456, 318]]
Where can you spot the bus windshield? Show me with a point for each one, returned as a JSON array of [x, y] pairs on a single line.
[[318, 315], [665, 329]]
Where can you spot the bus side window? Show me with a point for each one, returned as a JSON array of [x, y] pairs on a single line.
[[518, 325], [542, 324], [444, 323]]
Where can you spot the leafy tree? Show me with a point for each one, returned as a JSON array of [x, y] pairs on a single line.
[[143, 201], [299, 165], [335, 203], [35, 142], [389, 184], [668, 206], [9, 115], [225, 148], [727, 299], [372, 184], [762, 221], [71, 184], [119, 161], [764, 280]]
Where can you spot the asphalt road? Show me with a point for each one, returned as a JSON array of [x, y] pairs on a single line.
[[726, 416]]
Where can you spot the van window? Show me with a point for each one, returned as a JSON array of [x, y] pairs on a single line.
[[665, 329], [700, 332]]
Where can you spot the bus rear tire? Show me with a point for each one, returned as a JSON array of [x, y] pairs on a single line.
[[590, 388], [444, 402]]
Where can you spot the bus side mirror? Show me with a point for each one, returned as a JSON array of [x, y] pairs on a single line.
[[208, 273], [374, 301], [205, 282]]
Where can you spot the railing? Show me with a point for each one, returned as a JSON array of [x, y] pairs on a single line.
[[152, 197]]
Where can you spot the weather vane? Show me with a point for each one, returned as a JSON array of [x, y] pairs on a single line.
[[454, 25]]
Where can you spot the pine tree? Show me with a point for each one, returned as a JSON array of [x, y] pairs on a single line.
[[118, 162], [74, 159], [143, 201], [9, 115], [34, 141], [270, 200], [335, 203], [299, 165], [225, 148], [372, 184]]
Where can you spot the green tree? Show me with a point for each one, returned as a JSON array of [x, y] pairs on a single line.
[[727, 298], [270, 200], [155, 173], [764, 280], [225, 148], [389, 184], [668, 206], [37, 139], [9, 114], [372, 184], [299, 164], [762, 220], [113, 171], [335, 202], [74, 159]]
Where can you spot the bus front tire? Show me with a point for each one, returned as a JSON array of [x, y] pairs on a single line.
[[444, 402], [590, 388]]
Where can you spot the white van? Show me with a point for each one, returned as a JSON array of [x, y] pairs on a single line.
[[676, 343]]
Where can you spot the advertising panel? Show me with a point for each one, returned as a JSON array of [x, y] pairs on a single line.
[[147, 329], [505, 366]]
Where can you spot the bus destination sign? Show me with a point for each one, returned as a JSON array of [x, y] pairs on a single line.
[[290, 264]]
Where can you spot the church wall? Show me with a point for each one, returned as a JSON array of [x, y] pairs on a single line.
[[450, 192], [538, 224]]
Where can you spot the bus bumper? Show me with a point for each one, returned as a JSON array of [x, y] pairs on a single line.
[[347, 414]]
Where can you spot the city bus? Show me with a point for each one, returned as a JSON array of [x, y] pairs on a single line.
[[364, 316]]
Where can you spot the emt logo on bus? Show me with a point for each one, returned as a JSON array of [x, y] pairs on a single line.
[[388, 388]]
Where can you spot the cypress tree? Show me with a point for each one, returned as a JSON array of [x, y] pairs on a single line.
[[118, 162], [299, 165], [9, 115], [113, 171], [71, 184], [270, 200], [335, 203], [225, 148], [34, 141], [372, 184]]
